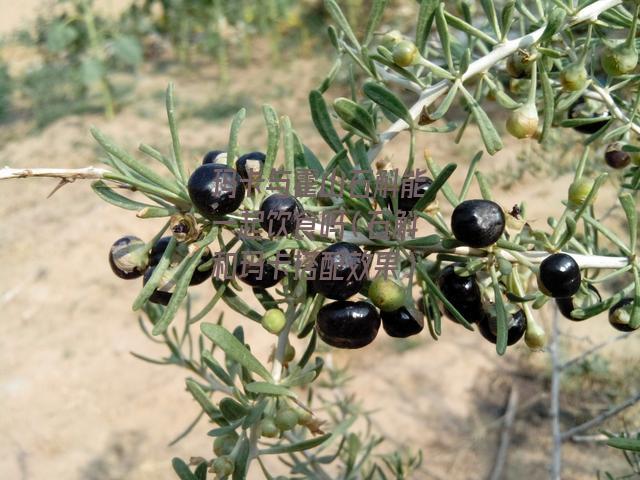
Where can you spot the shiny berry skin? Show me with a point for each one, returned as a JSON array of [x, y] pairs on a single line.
[[616, 157], [344, 324], [280, 214], [265, 277], [339, 271], [567, 305], [523, 122], [478, 223], [516, 327], [560, 275], [405, 53], [410, 192], [274, 320], [215, 189], [620, 315], [462, 292], [386, 294], [127, 258], [212, 156], [401, 323], [198, 276], [250, 161], [589, 128], [162, 294]]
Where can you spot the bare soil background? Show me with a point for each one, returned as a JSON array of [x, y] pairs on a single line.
[[76, 405]]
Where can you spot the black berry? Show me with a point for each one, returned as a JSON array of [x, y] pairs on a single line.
[[478, 223], [401, 323], [162, 294], [346, 324], [198, 277], [411, 190], [340, 271], [280, 214], [620, 315], [462, 292], [560, 275], [261, 274], [127, 257], [516, 327], [250, 161], [212, 156], [215, 189], [616, 157], [568, 304], [576, 111]]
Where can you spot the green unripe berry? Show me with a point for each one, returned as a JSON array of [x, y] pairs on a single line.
[[405, 53], [274, 320], [286, 418], [386, 294], [289, 353], [523, 121], [391, 39], [579, 190], [304, 417], [223, 466], [574, 77], [535, 336], [268, 428], [224, 445], [619, 59]]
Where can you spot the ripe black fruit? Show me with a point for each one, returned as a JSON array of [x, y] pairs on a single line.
[[198, 277], [620, 315], [516, 327], [215, 189], [127, 257], [280, 214], [560, 275], [340, 270], [346, 324], [477, 223], [568, 304], [212, 156], [162, 294], [250, 161], [401, 323], [462, 292], [575, 111], [410, 192], [616, 157], [260, 274]]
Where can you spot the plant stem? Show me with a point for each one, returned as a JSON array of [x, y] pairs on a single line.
[[556, 372]]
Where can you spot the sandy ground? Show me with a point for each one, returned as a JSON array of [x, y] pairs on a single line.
[[76, 405]]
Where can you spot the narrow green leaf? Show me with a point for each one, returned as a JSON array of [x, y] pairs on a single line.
[[555, 21], [506, 16], [501, 315], [232, 147], [428, 241], [445, 105], [179, 293], [156, 276], [387, 100], [357, 117], [266, 388], [216, 368], [108, 195], [232, 409], [182, 470], [202, 398], [548, 99], [322, 121], [296, 447], [201, 471], [242, 460], [425, 21], [490, 136], [490, 11], [338, 17], [236, 303], [273, 139], [375, 15], [631, 444], [289, 153], [432, 191], [265, 298], [173, 128], [629, 207], [443, 33], [234, 349]]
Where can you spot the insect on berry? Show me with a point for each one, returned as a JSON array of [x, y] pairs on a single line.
[[560, 275], [616, 157], [127, 257], [462, 292], [250, 162], [345, 324], [401, 323], [215, 190], [620, 315], [280, 214], [340, 270], [478, 223], [516, 327]]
